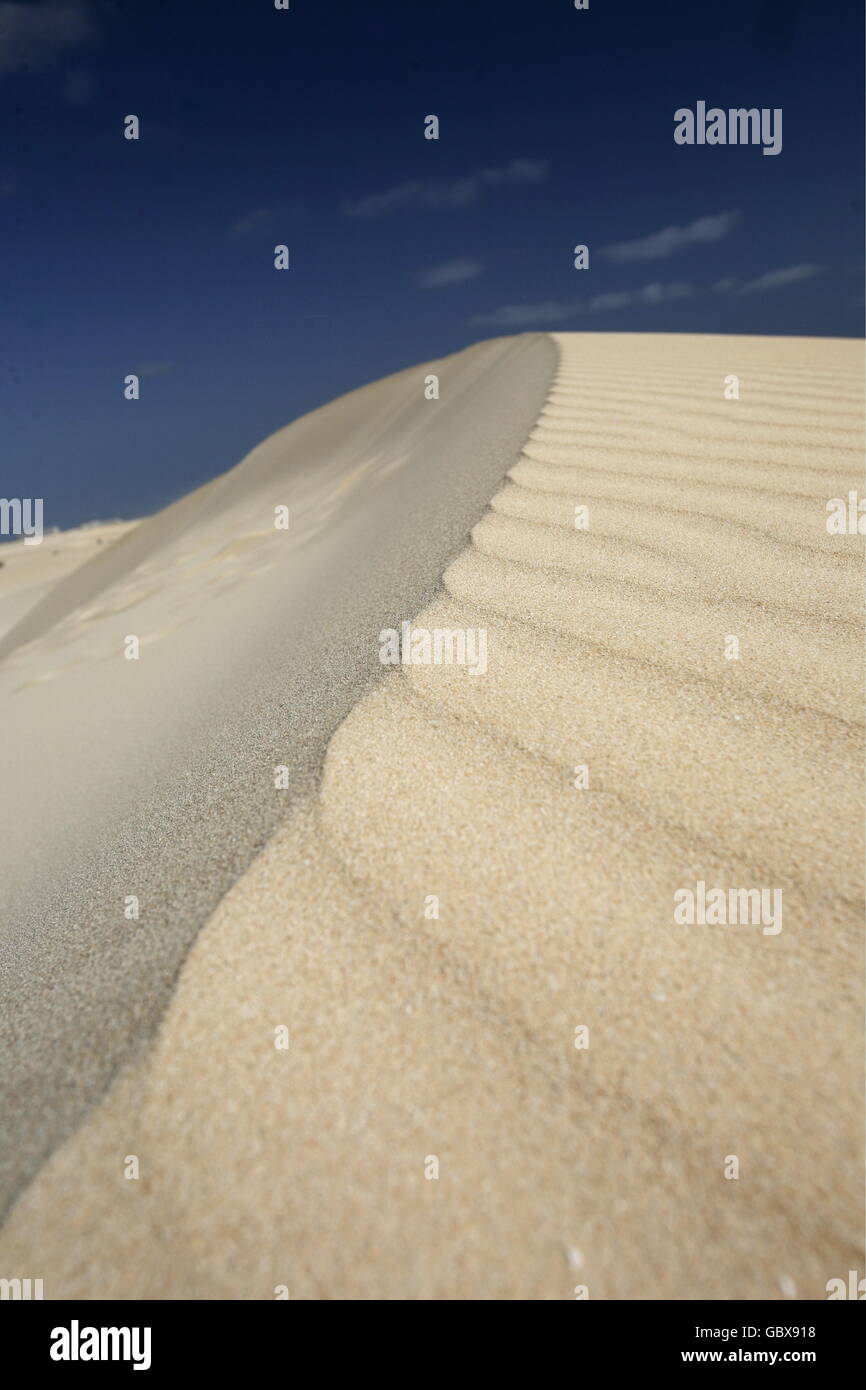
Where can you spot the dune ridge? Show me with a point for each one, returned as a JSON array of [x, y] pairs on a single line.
[[154, 778], [452, 1037]]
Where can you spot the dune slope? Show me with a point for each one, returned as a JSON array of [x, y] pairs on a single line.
[[154, 778]]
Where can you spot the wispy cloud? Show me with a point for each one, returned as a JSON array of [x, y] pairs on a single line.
[[516, 315], [276, 221], [666, 243], [663, 294], [256, 223], [33, 35], [79, 88], [558, 311], [615, 299], [552, 311], [430, 193], [152, 368], [778, 279], [455, 272]]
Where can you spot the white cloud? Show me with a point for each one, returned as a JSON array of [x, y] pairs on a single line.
[[428, 193], [255, 223], [277, 221], [79, 88], [777, 279], [33, 35], [455, 272], [152, 368], [557, 310], [650, 296], [515, 315], [662, 244], [663, 294], [615, 299]]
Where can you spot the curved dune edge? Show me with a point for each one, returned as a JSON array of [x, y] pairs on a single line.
[[412, 1038], [154, 778]]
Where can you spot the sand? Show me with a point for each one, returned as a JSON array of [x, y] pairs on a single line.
[[154, 778], [440, 911], [29, 573]]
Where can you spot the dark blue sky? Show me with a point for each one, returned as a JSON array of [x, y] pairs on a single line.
[[260, 126]]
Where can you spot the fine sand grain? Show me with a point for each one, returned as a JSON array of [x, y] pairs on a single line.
[[443, 907]]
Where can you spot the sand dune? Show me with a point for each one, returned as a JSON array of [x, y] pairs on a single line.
[[443, 908], [29, 573], [154, 778]]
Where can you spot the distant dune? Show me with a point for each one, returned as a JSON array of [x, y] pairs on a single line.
[[448, 1017]]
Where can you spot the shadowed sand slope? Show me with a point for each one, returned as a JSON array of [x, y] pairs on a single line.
[[511, 1072], [154, 778]]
